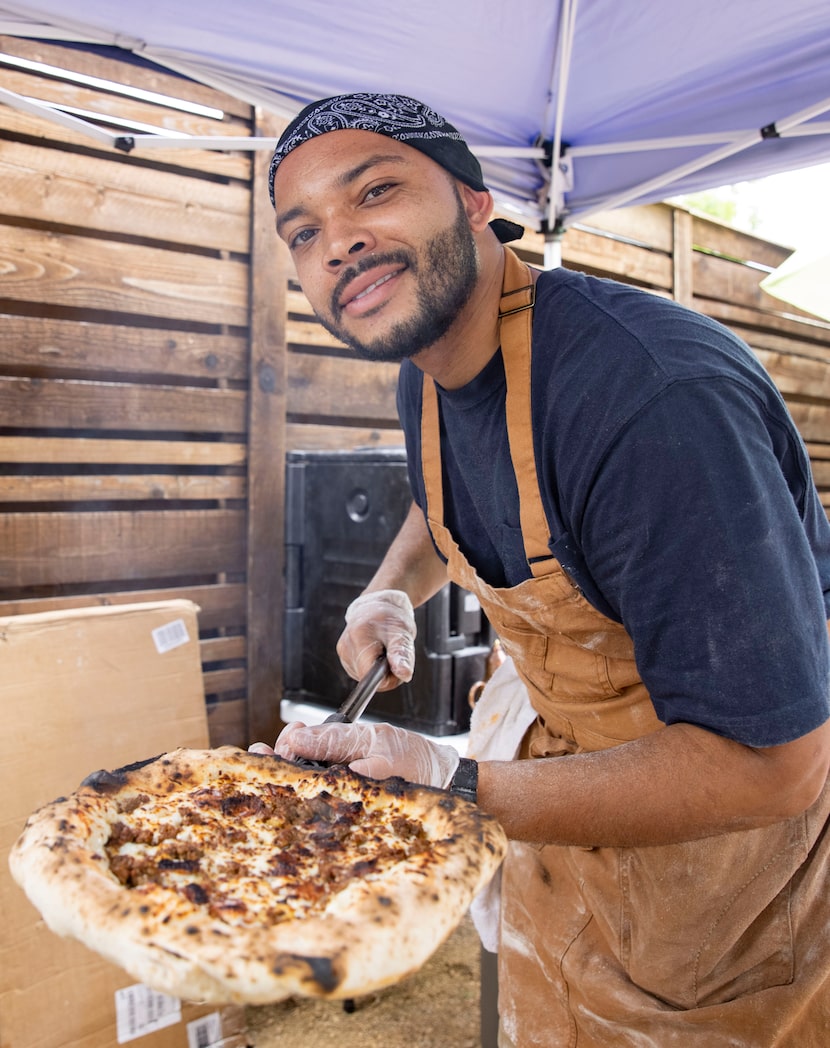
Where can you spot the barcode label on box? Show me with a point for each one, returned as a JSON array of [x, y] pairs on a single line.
[[205, 1032], [172, 635], [140, 1010]]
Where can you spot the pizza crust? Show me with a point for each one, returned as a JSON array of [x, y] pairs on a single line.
[[372, 933]]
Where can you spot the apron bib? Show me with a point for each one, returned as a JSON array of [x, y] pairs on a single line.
[[697, 945]]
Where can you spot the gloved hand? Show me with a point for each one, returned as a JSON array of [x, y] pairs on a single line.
[[376, 622], [376, 750]]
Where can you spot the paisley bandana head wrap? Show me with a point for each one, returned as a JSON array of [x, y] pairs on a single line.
[[396, 116]]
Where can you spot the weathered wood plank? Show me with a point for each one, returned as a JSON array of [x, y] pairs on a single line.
[[105, 275], [583, 250], [310, 437], [763, 340], [812, 420], [227, 724], [302, 334], [821, 473], [709, 234], [819, 451], [82, 405], [107, 487], [796, 375], [222, 604], [224, 680], [721, 279], [647, 224], [748, 319], [90, 451], [221, 166], [223, 649], [37, 344], [266, 502], [341, 388], [118, 198], [47, 549], [682, 280]]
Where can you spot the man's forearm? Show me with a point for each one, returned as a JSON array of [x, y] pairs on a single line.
[[680, 783], [411, 563]]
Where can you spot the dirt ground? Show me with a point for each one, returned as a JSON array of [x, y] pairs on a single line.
[[437, 1007]]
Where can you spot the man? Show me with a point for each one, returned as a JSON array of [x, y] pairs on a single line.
[[621, 486]]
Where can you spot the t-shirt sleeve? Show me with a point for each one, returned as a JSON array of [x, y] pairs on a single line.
[[695, 537]]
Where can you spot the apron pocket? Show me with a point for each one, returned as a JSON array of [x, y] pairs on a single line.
[[706, 922]]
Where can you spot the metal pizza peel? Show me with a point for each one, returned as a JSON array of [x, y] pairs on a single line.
[[361, 695], [354, 704]]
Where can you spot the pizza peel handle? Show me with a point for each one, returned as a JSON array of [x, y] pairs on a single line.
[[361, 694], [356, 702]]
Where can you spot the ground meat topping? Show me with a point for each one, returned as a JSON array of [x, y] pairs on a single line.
[[250, 854]]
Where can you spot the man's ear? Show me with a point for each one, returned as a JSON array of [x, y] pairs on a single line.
[[478, 206]]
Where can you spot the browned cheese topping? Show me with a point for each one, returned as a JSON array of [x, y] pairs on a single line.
[[262, 854]]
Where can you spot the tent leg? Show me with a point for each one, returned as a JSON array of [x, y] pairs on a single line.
[[553, 251]]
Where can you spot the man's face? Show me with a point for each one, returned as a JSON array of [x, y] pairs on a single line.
[[380, 238]]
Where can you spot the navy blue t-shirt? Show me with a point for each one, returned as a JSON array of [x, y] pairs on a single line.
[[679, 498]]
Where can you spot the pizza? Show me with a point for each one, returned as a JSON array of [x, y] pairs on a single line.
[[225, 876]]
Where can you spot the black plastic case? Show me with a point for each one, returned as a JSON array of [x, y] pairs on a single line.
[[343, 509]]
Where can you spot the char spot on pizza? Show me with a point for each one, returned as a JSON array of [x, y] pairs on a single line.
[[322, 972], [104, 781], [196, 894], [191, 929], [180, 865], [240, 805]]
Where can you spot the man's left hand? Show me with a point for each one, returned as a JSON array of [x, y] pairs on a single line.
[[375, 750]]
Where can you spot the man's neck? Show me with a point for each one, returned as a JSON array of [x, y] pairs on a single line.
[[460, 355]]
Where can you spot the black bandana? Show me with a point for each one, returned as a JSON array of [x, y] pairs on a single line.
[[396, 116]]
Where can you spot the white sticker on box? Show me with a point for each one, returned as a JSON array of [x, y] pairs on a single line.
[[172, 635], [205, 1032], [140, 1010]]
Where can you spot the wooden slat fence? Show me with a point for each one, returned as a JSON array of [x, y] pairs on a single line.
[[158, 360], [126, 363]]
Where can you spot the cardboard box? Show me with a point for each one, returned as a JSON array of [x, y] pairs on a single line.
[[92, 688]]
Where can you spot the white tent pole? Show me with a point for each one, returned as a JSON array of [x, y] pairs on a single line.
[[567, 26], [744, 142], [57, 116], [553, 251], [646, 144]]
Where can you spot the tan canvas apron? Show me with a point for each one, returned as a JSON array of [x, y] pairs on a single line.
[[712, 943]]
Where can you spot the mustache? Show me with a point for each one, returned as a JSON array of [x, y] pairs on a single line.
[[372, 261]]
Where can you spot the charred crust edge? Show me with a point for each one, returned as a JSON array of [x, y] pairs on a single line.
[[104, 781]]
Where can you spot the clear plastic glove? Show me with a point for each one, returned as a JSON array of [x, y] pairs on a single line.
[[378, 622], [376, 750]]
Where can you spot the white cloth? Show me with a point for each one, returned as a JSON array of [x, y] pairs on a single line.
[[498, 723]]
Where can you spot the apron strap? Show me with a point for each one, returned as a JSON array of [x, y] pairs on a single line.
[[515, 331]]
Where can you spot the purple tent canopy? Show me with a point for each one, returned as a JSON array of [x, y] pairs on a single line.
[[638, 99]]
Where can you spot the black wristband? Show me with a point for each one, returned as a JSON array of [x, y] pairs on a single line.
[[464, 782]]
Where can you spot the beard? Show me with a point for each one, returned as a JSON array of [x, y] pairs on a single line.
[[445, 275]]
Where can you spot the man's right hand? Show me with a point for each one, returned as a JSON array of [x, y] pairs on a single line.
[[377, 622]]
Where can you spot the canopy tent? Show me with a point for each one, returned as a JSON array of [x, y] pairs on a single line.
[[637, 100], [803, 281]]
